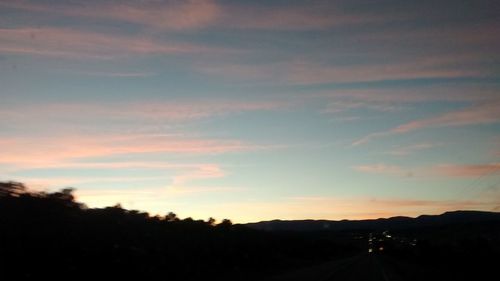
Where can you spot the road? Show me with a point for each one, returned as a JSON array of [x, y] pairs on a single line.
[[363, 267]]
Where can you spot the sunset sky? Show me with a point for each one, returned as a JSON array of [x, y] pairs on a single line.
[[255, 110]]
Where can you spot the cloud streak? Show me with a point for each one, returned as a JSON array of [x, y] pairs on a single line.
[[165, 15], [485, 113], [466, 170], [408, 150], [79, 44], [479, 114], [58, 150], [148, 112], [381, 169]]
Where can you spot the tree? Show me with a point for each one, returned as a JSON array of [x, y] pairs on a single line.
[[11, 188], [171, 216], [211, 221], [226, 223]]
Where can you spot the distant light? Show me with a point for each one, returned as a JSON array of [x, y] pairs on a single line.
[[381, 248], [370, 250]]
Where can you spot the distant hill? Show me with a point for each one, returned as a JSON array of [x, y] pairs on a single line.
[[394, 223]]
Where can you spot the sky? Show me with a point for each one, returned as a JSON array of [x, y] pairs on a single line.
[[255, 110]]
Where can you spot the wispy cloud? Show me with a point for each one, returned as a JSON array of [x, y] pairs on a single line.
[[202, 172], [382, 169], [410, 149], [310, 72], [393, 97], [466, 170], [485, 113], [481, 114], [170, 15], [310, 16], [197, 14], [33, 152], [340, 106], [80, 44], [181, 110], [316, 73], [117, 74]]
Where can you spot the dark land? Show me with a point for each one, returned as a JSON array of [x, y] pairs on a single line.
[[51, 235]]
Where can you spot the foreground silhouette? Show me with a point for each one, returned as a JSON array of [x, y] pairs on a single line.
[[50, 235]]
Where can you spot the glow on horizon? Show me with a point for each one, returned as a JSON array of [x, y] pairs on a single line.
[[254, 110]]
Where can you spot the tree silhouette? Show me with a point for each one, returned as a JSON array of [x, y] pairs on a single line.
[[171, 217], [11, 188], [211, 221], [47, 235]]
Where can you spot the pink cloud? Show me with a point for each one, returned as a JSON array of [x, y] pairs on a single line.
[[172, 15], [431, 67], [72, 43], [196, 14], [380, 169], [307, 72], [117, 74], [484, 113], [407, 150], [54, 136], [33, 152], [339, 106], [370, 137], [476, 36], [394, 97], [479, 114], [299, 17], [466, 171], [183, 174], [58, 115]]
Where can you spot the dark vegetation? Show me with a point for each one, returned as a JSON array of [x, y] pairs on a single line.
[[51, 235]]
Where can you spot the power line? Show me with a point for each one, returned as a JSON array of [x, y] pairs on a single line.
[[491, 171]]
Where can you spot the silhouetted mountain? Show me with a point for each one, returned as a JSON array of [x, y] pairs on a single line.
[[393, 223]]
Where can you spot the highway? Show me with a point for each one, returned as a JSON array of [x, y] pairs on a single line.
[[365, 266]]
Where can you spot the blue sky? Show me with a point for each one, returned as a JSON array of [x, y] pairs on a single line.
[[254, 110]]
